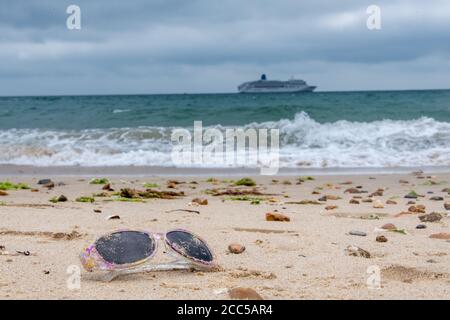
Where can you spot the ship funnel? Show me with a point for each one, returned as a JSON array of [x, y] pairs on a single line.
[[263, 77]]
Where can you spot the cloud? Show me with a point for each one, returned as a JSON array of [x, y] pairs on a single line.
[[155, 46]]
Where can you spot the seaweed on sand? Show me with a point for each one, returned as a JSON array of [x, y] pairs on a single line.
[[6, 185], [149, 194], [236, 192], [245, 182]]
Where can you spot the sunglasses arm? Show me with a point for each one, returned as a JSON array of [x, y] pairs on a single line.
[[173, 265]]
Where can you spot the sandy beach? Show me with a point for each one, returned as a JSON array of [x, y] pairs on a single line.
[[304, 258]]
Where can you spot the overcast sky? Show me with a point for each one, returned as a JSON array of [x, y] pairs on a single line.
[[168, 46]]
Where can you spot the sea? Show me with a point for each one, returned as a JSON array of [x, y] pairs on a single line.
[[364, 129]]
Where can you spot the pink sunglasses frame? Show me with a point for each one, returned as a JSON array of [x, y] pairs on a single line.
[[92, 260]]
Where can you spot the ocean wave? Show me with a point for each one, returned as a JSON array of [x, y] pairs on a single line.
[[121, 110], [304, 142]]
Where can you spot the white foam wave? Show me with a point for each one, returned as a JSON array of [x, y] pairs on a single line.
[[121, 110], [304, 142]]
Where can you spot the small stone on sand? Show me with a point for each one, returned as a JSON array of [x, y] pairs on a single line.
[[358, 233], [236, 248], [432, 217], [389, 226], [442, 236], [244, 294], [276, 217], [202, 202], [357, 252], [378, 204]]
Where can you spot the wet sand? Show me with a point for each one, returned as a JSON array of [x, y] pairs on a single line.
[[303, 258]]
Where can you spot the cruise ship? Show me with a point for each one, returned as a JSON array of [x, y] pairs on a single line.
[[275, 86]]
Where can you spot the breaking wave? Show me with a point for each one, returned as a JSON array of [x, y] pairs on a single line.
[[304, 142]]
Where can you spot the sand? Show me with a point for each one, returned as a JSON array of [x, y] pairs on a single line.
[[304, 258]]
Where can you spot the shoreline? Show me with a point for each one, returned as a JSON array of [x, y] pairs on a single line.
[[159, 171]]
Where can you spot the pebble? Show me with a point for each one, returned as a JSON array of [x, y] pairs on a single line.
[[236, 248], [447, 206], [44, 181], [421, 226], [357, 252], [432, 217], [240, 293], [381, 239], [389, 226], [276, 217], [107, 187], [62, 198], [331, 207], [417, 209], [358, 233], [49, 185], [391, 202], [352, 190], [442, 236], [378, 204], [437, 198], [115, 217], [202, 202], [378, 193], [353, 201]]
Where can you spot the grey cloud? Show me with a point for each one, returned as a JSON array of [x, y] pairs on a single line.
[[210, 46]]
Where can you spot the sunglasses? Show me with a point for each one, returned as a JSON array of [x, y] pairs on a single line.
[[130, 251]]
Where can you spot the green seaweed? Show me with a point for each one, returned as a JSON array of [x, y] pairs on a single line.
[[432, 183], [54, 200], [402, 231], [412, 193], [6, 185], [245, 198], [123, 199], [100, 195], [306, 178], [85, 199], [245, 182], [151, 185], [99, 181]]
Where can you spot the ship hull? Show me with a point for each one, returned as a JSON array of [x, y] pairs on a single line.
[[278, 90]]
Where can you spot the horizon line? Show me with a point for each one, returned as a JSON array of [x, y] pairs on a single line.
[[212, 93]]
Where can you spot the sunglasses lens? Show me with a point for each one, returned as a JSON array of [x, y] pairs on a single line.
[[189, 245], [125, 247]]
